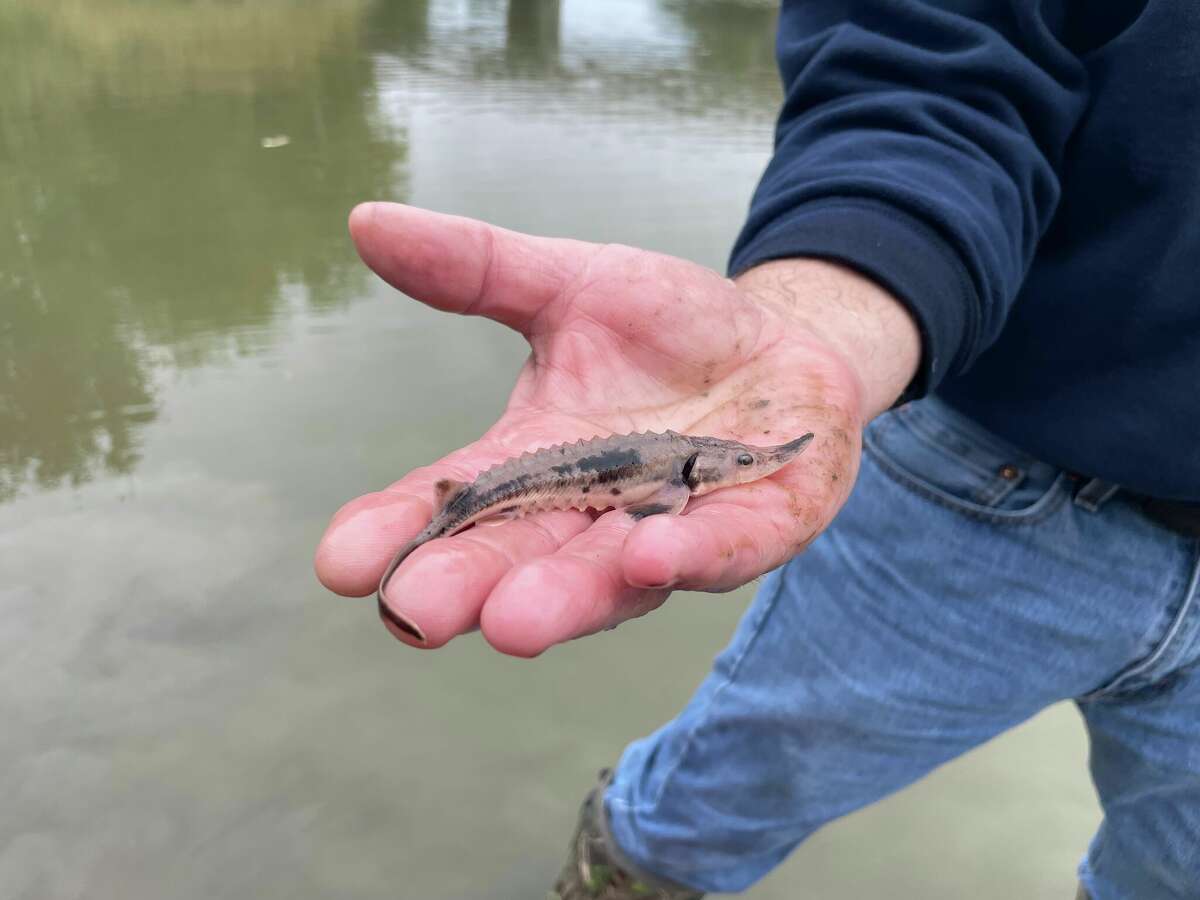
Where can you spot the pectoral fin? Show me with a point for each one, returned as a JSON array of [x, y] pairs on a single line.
[[501, 515], [669, 500]]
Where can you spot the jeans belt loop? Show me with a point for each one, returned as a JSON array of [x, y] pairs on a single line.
[[1095, 493]]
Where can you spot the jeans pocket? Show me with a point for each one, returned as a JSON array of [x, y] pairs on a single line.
[[941, 454]]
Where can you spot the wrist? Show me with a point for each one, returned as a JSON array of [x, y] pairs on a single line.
[[870, 329]]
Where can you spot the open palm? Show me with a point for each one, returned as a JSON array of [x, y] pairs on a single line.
[[622, 340]]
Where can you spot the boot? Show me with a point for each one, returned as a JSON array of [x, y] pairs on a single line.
[[596, 869]]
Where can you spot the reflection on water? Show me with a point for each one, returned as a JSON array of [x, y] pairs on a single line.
[[144, 224], [195, 372], [532, 34]]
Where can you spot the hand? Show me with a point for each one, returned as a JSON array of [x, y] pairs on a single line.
[[622, 340]]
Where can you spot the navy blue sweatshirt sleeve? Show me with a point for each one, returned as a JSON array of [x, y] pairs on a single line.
[[919, 143]]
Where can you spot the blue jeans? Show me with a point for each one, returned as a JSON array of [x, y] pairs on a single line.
[[964, 587]]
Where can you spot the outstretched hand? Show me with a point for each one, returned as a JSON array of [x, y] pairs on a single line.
[[622, 340]]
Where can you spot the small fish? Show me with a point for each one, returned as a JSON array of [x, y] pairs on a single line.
[[646, 474]]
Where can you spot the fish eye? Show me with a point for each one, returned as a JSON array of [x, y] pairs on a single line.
[[745, 459]]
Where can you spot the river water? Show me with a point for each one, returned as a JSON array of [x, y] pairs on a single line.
[[195, 372]]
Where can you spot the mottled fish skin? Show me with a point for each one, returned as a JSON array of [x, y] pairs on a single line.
[[602, 473]]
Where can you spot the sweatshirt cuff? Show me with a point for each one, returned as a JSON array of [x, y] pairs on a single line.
[[902, 254]]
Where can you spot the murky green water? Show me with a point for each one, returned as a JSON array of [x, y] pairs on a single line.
[[195, 372]]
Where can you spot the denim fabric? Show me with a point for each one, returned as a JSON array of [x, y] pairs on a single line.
[[960, 591]]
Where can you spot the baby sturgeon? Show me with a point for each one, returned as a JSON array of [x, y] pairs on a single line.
[[646, 474]]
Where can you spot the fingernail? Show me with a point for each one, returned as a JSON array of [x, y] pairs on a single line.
[[653, 582], [657, 586], [404, 624]]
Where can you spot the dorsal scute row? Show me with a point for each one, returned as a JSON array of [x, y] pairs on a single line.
[[571, 451]]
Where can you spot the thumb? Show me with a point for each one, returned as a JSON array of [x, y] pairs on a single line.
[[464, 265]]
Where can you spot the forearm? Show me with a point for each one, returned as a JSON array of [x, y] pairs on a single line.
[[872, 330], [919, 143]]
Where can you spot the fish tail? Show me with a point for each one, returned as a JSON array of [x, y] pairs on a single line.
[[402, 622]]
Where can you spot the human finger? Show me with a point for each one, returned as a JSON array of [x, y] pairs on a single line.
[[719, 545], [440, 589], [577, 590], [365, 533], [463, 265]]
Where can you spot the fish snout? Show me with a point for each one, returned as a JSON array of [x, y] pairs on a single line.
[[785, 453]]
